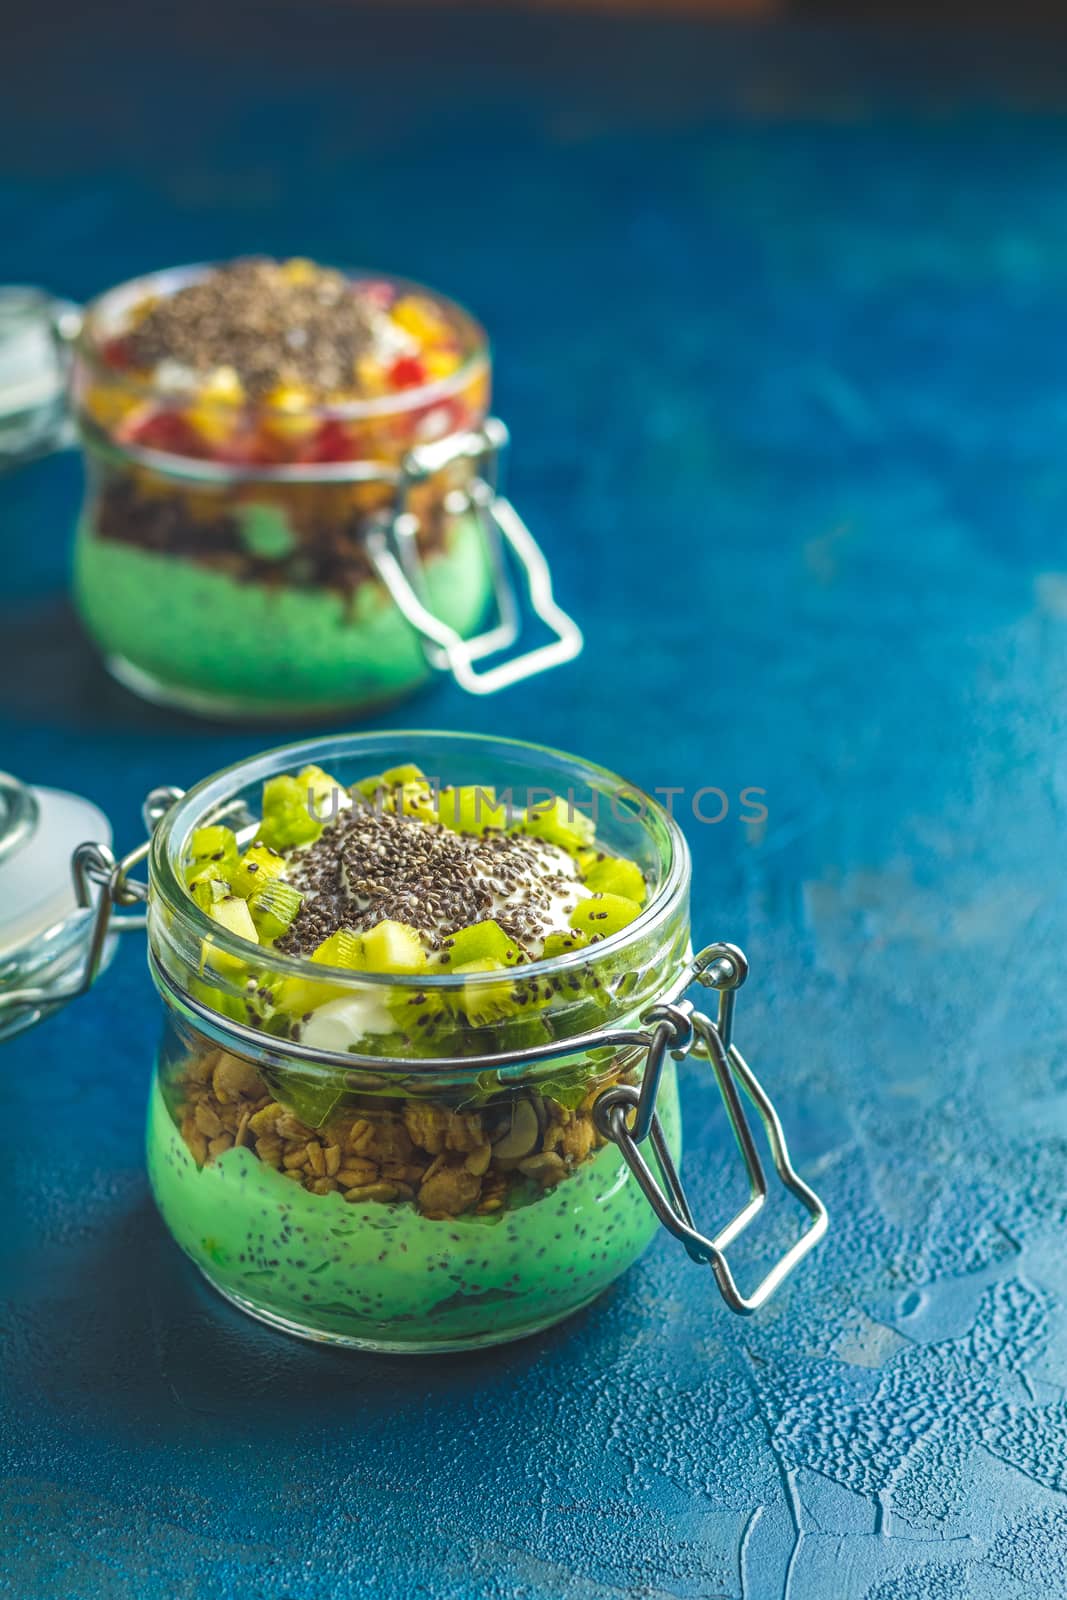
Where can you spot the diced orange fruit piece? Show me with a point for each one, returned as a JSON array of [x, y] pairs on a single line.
[[421, 318]]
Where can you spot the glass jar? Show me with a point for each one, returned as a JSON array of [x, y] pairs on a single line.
[[277, 558], [474, 1166]]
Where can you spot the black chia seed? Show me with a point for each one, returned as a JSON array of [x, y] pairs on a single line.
[[370, 866], [249, 315]]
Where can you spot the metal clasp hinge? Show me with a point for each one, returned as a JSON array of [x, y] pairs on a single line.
[[101, 883], [627, 1115], [393, 551]]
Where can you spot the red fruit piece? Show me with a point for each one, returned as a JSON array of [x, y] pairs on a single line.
[[330, 442], [166, 431], [407, 372], [376, 293], [116, 352], [249, 448]]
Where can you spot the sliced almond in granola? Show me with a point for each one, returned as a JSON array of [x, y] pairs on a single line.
[[373, 1191], [207, 1120], [316, 1157], [478, 1160], [355, 1173], [524, 1133], [449, 1190], [234, 1079], [547, 1168], [264, 1121]]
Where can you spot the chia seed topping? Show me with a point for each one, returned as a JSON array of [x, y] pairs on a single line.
[[370, 866], [249, 316]]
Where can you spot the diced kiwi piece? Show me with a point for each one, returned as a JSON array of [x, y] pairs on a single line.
[[257, 866], [559, 822], [231, 913], [560, 944], [604, 913], [216, 999], [616, 875], [287, 821], [274, 904], [482, 941], [415, 799], [409, 773], [213, 847], [301, 995], [208, 872], [341, 949], [322, 794], [208, 891], [471, 808], [392, 947], [486, 1003], [370, 787]]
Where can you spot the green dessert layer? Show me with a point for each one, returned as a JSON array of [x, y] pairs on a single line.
[[192, 628], [387, 1275]]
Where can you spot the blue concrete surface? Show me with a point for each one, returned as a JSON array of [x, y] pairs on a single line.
[[781, 323]]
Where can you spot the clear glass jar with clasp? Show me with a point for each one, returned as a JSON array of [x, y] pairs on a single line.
[[416, 1189], [271, 554]]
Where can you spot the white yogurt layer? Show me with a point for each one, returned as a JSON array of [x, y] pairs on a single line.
[[338, 1024]]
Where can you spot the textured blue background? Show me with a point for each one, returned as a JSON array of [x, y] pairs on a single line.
[[781, 325]]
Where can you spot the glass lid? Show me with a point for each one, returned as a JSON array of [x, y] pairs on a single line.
[[43, 931]]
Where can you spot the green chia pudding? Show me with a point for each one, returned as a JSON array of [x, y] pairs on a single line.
[[383, 1275], [166, 622], [429, 1205]]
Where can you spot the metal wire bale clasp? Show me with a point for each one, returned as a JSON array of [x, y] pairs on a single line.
[[101, 883], [627, 1115], [393, 550]]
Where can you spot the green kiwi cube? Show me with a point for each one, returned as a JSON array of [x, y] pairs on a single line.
[[208, 891], [287, 818], [486, 1003], [392, 947], [396, 777], [231, 913], [414, 799], [341, 949], [370, 787], [213, 847], [298, 996], [322, 793], [482, 941], [618, 876], [559, 822], [604, 913], [470, 808], [257, 866], [274, 905], [561, 944]]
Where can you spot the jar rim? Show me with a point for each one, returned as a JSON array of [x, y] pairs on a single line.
[[208, 799], [398, 403]]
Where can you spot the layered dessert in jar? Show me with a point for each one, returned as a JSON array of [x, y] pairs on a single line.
[[244, 427], [351, 1130]]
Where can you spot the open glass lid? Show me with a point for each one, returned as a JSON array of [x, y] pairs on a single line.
[[45, 911]]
